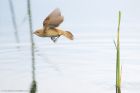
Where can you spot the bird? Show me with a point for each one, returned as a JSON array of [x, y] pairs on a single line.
[[50, 27]]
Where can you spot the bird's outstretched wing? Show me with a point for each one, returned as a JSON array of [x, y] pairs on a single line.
[[54, 19]]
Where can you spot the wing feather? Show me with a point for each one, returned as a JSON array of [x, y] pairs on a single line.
[[54, 19]]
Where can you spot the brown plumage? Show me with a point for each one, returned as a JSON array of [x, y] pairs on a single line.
[[50, 24]]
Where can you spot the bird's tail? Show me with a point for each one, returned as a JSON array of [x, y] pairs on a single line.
[[68, 35]]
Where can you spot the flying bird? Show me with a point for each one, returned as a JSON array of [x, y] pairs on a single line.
[[50, 27]]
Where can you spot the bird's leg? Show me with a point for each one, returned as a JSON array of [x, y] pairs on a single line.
[[54, 39], [57, 37]]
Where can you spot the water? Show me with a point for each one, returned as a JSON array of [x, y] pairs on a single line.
[[85, 65]]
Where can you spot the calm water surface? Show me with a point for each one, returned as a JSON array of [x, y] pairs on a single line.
[[85, 65]]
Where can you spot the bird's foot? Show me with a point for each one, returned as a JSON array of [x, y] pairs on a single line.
[[54, 39]]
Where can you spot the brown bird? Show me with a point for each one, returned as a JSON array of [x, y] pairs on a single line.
[[50, 27]]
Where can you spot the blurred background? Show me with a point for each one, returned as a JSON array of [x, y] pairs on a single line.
[[85, 65]]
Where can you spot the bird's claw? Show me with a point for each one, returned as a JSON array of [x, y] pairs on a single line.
[[54, 39]]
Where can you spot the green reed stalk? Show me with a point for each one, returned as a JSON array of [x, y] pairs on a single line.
[[118, 64], [33, 85], [14, 20]]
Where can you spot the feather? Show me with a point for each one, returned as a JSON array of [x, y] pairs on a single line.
[[54, 19]]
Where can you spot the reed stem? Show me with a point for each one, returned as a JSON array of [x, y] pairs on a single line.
[[14, 20], [33, 85], [118, 64]]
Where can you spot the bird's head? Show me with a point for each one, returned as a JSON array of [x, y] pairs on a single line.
[[39, 32]]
